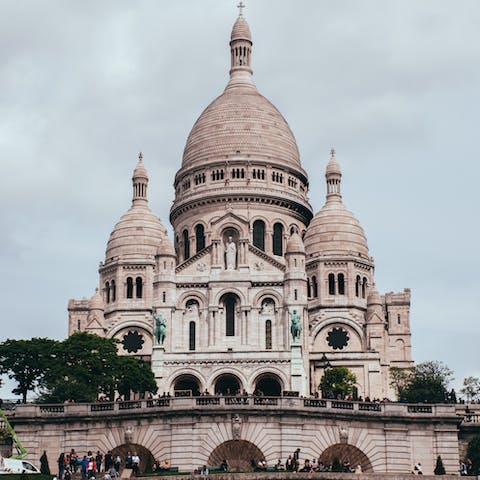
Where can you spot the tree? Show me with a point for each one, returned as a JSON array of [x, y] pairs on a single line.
[[27, 362], [473, 453], [471, 388], [427, 383], [134, 375], [439, 468], [337, 381], [400, 378]]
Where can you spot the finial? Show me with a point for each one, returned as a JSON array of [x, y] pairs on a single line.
[[332, 152], [140, 156], [240, 6]]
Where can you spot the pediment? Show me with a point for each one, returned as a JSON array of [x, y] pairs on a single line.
[[229, 216]]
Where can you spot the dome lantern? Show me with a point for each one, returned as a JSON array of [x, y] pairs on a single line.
[[140, 182], [333, 176]]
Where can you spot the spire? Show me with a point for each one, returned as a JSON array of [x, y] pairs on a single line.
[[333, 176], [140, 182], [241, 52]]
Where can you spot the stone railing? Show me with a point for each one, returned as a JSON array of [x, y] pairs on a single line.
[[257, 404]]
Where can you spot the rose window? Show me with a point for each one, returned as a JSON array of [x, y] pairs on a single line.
[[337, 338], [133, 342]]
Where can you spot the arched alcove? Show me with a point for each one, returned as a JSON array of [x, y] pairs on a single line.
[[187, 382], [241, 455], [344, 451], [227, 384], [269, 385], [146, 457]]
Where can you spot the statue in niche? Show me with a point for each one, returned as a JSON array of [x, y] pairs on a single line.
[[236, 427], [296, 325], [160, 329], [343, 434], [230, 254], [268, 307]]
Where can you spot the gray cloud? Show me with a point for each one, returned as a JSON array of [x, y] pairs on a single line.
[[393, 85]]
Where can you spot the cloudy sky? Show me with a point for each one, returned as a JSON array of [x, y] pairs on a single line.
[[393, 85]]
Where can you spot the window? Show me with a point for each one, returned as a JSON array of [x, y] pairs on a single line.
[[129, 287], [138, 287], [398, 319], [268, 335], [78, 325], [199, 237], [309, 288], [107, 292], [278, 239], [331, 284], [295, 294], [191, 336], [186, 245], [164, 297], [315, 287], [341, 284], [259, 234], [113, 291], [230, 304], [364, 287], [358, 282]]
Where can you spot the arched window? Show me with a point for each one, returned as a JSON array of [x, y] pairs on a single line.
[[259, 234], [358, 282], [309, 289], [113, 291], [107, 292], [268, 335], [191, 336], [186, 245], [278, 239], [398, 319], [164, 297], [295, 294], [341, 284], [199, 237], [331, 284], [364, 287], [315, 287], [230, 304], [138, 287], [129, 287]]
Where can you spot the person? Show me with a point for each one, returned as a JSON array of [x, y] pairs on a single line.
[[279, 465], [108, 461], [128, 460], [61, 466], [135, 464], [117, 463], [112, 471], [84, 467], [296, 459], [91, 467], [98, 461], [418, 469], [204, 470], [289, 464], [67, 475], [231, 254], [224, 466], [346, 466], [358, 469]]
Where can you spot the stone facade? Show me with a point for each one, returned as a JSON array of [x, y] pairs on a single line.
[[255, 292]]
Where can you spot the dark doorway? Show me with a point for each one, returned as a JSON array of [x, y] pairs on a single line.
[[227, 385], [239, 454], [268, 385], [188, 382]]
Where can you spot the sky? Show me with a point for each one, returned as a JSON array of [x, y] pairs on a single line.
[[393, 85]]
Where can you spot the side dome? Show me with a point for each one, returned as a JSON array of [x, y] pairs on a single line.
[[138, 232], [295, 244], [334, 229]]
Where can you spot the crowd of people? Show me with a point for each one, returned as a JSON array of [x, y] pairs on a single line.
[[91, 464]]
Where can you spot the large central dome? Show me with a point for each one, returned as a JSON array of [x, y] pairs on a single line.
[[241, 121]]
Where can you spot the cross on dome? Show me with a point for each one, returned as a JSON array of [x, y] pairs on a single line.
[[240, 6], [332, 152], [140, 156]]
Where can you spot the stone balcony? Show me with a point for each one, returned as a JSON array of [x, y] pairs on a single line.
[[259, 405]]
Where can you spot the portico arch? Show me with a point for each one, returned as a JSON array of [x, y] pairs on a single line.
[[146, 457], [227, 384], [241, 455], [187, 382], [345, 451], [268, 384]]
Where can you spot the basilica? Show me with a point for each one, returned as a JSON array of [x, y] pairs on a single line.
[[255, 293]]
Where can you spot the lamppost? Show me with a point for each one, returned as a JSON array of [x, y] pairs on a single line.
[[324, 364]]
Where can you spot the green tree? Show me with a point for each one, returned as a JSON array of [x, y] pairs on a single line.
[[27, 362], [337, 381], [427, 382], [400, 379], [473, 453], [471, 388], [439, 468], [133, 375]]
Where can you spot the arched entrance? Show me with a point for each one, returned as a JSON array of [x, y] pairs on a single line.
[[240, 455], [227, 384], [188, 383], [146, 457], [344, 451], [269, 385]]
